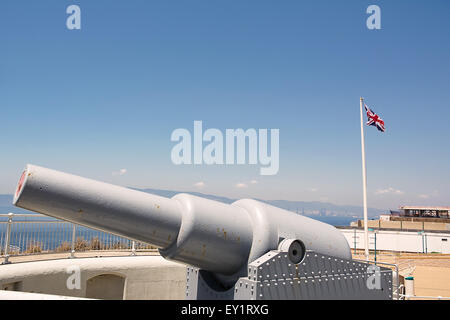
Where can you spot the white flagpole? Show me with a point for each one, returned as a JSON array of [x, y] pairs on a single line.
[[363, 153]]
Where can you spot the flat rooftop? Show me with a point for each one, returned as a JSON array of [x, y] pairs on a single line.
[[423, 208]]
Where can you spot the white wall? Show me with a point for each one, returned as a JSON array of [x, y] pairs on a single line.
[[400, 241], [17, 295], [146, 277]]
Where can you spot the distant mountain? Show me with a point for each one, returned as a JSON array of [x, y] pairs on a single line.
[[324, 208], [309, 208], [169, 194]]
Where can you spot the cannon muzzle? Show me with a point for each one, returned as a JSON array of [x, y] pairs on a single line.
[[214, 236]]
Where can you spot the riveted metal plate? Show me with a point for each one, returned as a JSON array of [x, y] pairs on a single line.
[[318, 276]]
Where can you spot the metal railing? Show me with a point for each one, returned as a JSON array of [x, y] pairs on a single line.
[[396, 286], [27, 234]]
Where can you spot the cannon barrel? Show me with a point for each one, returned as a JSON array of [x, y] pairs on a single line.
[[214, 236]]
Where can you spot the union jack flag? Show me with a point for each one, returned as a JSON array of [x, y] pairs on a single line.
[[374, 119]]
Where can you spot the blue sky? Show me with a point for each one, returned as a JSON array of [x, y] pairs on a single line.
[[107, 97]]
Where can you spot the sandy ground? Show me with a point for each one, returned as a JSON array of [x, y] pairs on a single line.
[[431, 272], [432, 281]]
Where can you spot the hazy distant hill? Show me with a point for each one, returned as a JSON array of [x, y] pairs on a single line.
[[324, 207], [169, 194], [310, 208]]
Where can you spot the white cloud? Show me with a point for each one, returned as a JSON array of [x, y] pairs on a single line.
[[121, 172], [199, 184], [254, 182], [389, 190], [434, 194], [241, 185], [314, 189]]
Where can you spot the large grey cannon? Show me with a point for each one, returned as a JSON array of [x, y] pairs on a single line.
[[224, 245]]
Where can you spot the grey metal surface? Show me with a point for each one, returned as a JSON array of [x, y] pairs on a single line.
[[272, 225], [201, 285], [136, 215], [207, 234], [317, 277]]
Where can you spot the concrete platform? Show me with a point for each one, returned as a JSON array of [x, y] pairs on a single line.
[[431, 272], [130, 277]]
